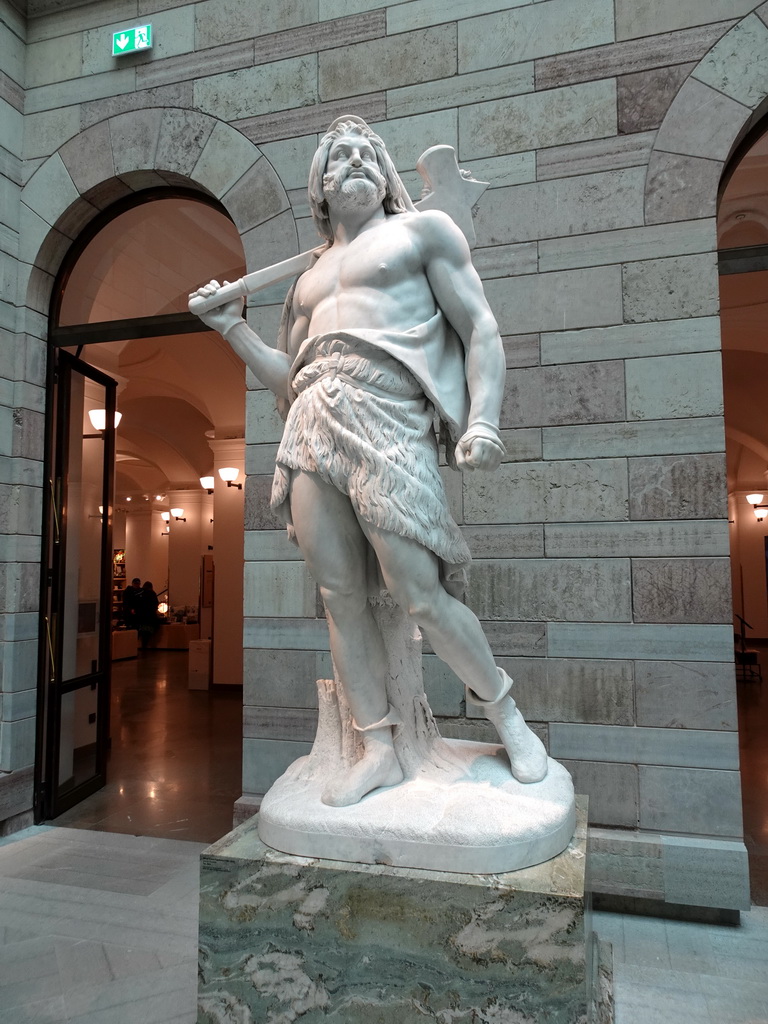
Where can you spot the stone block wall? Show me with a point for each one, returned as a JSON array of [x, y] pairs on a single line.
[[601, 544]]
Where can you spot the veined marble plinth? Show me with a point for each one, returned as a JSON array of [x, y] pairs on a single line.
[[468, 815], [286, 938]]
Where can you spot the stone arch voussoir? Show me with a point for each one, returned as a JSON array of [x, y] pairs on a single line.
[[711, 113], [139, 149]]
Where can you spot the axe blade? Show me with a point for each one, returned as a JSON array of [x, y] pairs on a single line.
[[449, 189]]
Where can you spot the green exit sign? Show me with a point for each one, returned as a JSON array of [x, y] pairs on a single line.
[[129, 40]]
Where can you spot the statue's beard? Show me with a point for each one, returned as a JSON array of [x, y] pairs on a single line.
[[347, 194]]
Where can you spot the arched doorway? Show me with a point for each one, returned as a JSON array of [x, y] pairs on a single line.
[[119, 327], [743, 264]]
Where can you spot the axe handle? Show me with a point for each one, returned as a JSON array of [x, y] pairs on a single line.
[[254, 282]]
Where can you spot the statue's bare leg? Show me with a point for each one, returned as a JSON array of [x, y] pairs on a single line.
[[335, 551], [412, 577]]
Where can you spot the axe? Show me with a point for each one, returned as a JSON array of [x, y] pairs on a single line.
[[446, 188]]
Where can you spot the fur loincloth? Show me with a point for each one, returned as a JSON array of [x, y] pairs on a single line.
[[361, 421]]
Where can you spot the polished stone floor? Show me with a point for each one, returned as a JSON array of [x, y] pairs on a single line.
[[98, 919], [174, 768]]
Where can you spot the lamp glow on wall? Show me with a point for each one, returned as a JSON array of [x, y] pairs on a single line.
[[229, 475], [760, 510], [207, 482], [98, 418]]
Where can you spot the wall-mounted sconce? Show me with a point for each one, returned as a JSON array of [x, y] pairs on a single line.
[[760, 510], [207, 482], [165, 516], [229, 474], [178, 515], [98, 418]]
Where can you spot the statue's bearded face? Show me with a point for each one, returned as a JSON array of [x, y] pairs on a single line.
[[353, 180]]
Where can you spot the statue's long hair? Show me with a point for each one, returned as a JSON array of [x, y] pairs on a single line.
[[396, 199]]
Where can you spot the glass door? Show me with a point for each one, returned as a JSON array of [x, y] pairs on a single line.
[[75, 658]]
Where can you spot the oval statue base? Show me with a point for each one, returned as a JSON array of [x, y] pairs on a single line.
[[471, 816]]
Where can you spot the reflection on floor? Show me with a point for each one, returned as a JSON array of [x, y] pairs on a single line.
[[753, 747], [175, 765]]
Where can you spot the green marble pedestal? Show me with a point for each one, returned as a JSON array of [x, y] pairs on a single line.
[[285, 938]]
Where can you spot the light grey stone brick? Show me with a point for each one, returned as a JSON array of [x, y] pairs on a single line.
[[271, 723], [508, 169], [18, 626], [505, 541], [690, 800], [701, 122], [19, 586], [633, 20], [459, 90], [533, 121], [80, 90], [408, 137], [270, 546], [675, 386], [260, 90], [565, 300], [594, 156], [17, 744], [571, 393], [264, 761], [570, 589], [53, 60], [269, 243], [407, 59], [280, 678], [404, 16], [639, 243], [667, 289], [444, 689], [627, 341], [288, 634], [579, 491], [47, 131], [19, 705], [288, 124], [258, 514], [323, 35], [134, 138], [525, 33], [612, 790], [16, 792], [260, 458], [20, 548], [67, 19], [681, 590], [570, 206], [592, 540], [705, 872], [173, 33], [684, 748], [737, 66], [517, 639], [20, 509], [281, 589], [681, 188], [646, 642], [186, 66], [222, 21], [522, 350], [343, 8], [654, 437], [685, 695], [183, 135], [506, 260], [256, 197], [291, 159], [177, 95], [570, 690], [626, 863], [677, 487], [50, 190], [653, 50], [645, 97]]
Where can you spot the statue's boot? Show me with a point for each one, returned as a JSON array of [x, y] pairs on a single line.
[[377, 767], [527, 755]]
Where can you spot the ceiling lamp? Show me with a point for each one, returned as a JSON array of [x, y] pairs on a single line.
[[207, 482], [98, 418], [229, 474]]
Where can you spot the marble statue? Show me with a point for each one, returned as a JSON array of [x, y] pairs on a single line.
[[386, 327]]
